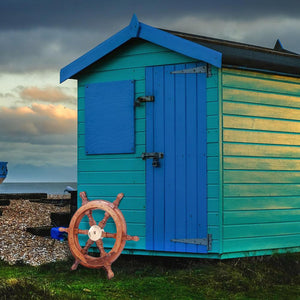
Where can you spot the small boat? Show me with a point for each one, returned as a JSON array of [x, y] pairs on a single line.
[[3, 171]]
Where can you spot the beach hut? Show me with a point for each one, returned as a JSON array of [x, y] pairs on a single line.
[[202, 136]]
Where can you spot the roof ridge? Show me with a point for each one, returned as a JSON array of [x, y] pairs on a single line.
[[232, 43]]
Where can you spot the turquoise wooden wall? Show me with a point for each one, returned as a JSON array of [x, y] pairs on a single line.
[[104, 176], [261, 161], [253, 161]]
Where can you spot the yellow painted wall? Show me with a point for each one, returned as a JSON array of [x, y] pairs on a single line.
[[261, 161]]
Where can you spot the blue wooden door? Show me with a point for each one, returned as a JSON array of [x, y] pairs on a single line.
[[176, 190]]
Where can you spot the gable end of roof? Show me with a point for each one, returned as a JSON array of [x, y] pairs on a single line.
[[139, 30]]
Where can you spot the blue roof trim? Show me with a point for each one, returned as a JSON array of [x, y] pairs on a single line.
[[134, 25], [136, 29], [180, 45], [101, 50]]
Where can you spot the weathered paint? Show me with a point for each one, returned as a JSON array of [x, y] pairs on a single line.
[[261, 162], [103, 176]]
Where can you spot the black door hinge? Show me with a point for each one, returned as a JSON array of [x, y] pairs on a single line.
[[202, 69], [204, 242]]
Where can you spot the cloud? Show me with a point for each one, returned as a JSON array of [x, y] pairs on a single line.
[[262, 32], [38, 155], [46, 49], [43, 48], [50, 35], [25, 172], [38, 38], [48, 94], [41, 137], [78, 14], [35, 85], [6, 95], [38, 124]]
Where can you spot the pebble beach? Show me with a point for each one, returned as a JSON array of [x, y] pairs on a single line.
[[19, 246]]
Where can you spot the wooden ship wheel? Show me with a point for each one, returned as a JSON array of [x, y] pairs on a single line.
[[96, 233]]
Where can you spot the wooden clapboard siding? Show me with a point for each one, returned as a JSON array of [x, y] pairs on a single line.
[[259, 230], [261, 203], [261, 124], [263, 111], [260, 97], [213, 158], [261, 161], [261, 150], [252, 163], [272, 177], [266, 242], [253, 81], [104, 176], [261, 190]]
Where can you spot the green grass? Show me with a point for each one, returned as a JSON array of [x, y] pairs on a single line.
[[138, 277]]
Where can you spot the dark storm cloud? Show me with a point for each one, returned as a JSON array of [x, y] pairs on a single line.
[[38, 35], [41, 48], [70, 14]]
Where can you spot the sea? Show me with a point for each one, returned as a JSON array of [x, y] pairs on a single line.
[[55, 188]]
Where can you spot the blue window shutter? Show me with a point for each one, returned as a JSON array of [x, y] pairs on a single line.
[[109, 117]]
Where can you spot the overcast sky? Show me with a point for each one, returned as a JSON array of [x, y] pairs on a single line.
[[39, 37]]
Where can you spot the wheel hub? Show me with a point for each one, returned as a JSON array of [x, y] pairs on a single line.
[[95, 233]]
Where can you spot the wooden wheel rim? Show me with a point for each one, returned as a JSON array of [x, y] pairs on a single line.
[[75, 248]]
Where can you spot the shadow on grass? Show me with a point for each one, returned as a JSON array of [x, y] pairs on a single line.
[[23, 289], [146, 277]]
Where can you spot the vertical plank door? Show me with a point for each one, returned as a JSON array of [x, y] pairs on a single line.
[[176, 190]]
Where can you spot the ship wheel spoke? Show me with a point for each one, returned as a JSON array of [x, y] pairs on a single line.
[[89, 214], [81, 231], [109, 235], [116, 204], [100, 246], [84, 198], [96, 233], [88, 244], [132, 238], [84, 251], [118, 199], [103, 222]]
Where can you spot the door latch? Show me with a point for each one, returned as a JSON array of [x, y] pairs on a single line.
[[155, 156], [140, 100]]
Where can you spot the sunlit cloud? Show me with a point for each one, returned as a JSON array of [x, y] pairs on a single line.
[[56, 111], [21, 89], [38, 124], [47, 94]]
